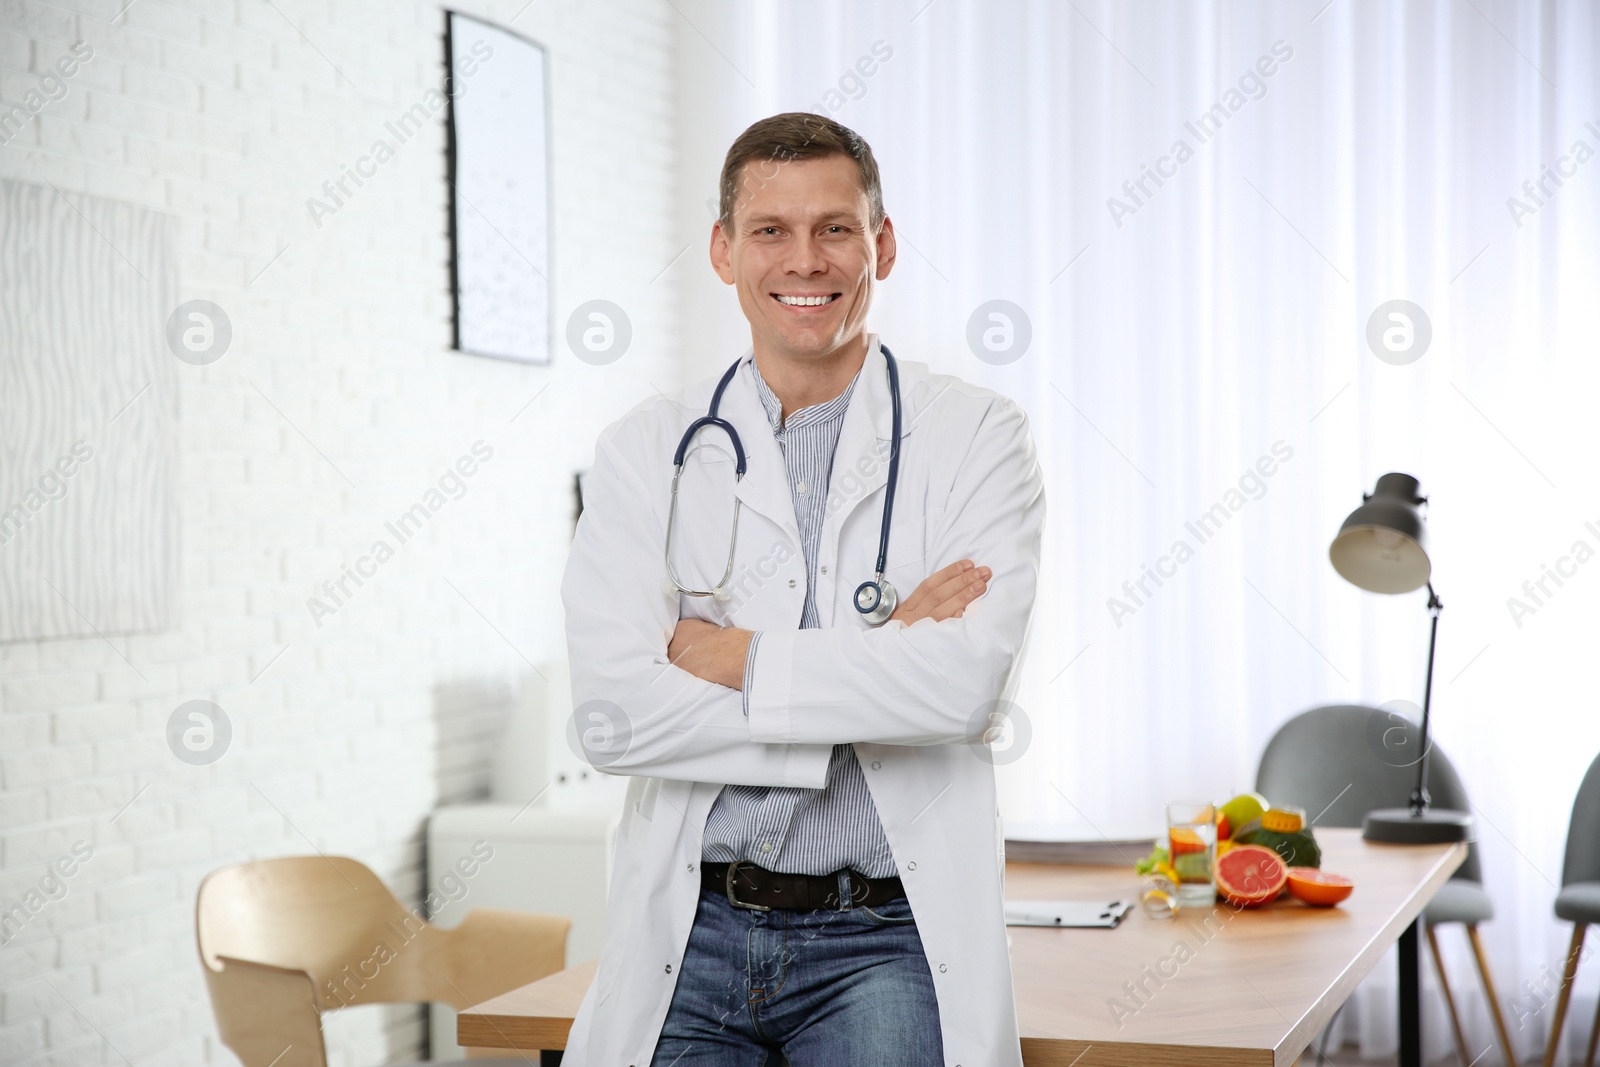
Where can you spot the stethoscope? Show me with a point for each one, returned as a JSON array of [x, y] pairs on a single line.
[[876, 598]]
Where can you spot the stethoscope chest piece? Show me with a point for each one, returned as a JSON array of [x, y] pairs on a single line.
[[876, 600]]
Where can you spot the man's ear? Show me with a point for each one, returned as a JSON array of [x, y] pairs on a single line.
[[888, 249], [721, 254]]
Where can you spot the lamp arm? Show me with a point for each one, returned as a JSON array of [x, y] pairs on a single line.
[[1419, 795]]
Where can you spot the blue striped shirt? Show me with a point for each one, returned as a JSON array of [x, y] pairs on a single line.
[[803, 831]]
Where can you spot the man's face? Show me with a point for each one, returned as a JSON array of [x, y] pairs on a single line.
[[802, 254]]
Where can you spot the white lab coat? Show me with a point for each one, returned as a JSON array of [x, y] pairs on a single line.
[[913, 700]]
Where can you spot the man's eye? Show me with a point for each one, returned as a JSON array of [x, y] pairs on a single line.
[[768, 231]]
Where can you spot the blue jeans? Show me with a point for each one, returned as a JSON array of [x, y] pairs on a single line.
[[823, 988]]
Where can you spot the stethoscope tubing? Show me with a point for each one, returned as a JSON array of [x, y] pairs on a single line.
[[712, 418], [894, 462]]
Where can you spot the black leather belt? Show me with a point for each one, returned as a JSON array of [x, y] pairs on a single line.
[[758, 889]]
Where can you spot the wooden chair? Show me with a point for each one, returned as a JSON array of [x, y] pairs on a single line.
[[1345, 761], [1579, 901], [282, 941]]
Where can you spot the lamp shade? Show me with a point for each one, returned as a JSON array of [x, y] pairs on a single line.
[[1383, 546]]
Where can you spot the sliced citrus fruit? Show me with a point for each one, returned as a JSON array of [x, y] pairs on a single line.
[[1250, 875], [1158, 903], [1318, 888], [1185, 840]]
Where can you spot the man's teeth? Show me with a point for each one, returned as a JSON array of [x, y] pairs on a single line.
[[806, 301]]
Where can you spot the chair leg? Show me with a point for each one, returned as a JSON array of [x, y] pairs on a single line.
[[1449, 998], [1493, 997], [1594, 1035], [1568, 973]]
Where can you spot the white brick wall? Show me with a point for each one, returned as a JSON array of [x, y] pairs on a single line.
[[229, 114]]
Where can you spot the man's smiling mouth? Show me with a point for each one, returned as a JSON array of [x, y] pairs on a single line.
[[805, 301]]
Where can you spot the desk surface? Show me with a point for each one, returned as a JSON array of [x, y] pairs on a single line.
[[1221, 987]]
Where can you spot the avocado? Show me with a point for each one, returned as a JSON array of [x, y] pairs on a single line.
[[1298, 849]]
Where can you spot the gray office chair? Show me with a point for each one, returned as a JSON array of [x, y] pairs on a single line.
[[1350, 759], [1579, 899]]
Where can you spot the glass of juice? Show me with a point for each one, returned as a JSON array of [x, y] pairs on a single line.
[[1192, 851]]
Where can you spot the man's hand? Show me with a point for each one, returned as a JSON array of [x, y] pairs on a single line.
[[944, 594], [710, 652]]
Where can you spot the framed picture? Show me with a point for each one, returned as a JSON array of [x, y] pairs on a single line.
[[498, 146], [90, 519]]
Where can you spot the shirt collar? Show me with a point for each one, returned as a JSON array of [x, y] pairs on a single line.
[[829, 411]]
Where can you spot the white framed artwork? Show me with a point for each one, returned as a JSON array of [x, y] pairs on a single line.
[[498, 144]]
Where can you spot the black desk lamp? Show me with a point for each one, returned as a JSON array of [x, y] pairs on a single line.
[[1382, 548]]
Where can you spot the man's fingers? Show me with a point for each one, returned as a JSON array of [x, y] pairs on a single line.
[[925, 590], [944, 593], [935, 589], [952, 606], [933, 583], [928, 584], [954, 586]]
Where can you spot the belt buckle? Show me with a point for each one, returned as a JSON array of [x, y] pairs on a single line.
[[733, 897]]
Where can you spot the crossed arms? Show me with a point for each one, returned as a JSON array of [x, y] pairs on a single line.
[[718, 653], [670, 688]]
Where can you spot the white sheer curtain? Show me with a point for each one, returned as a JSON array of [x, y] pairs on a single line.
[[1180, 338]]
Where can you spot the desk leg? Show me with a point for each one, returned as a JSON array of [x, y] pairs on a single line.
[[551, 1057], [1410, 998]]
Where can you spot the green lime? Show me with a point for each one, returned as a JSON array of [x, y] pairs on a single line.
[[1193, 867]]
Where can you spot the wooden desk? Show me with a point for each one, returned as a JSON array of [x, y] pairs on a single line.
[[1250, 989]]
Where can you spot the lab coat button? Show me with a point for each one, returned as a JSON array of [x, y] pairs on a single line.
[[791, 583], [876, 765], [942, 968], [824, 568], [669, 968], [911, 866]]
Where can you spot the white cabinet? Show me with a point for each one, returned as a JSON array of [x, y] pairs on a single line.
[[556, 861]]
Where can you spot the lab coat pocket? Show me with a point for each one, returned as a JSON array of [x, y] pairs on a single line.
[[908, 562]]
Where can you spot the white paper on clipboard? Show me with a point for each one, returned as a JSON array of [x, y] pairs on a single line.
[[1067, 913]]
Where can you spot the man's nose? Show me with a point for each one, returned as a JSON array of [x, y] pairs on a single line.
[[805, 256]]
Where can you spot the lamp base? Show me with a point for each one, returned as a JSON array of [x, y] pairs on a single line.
[[1402, 826]]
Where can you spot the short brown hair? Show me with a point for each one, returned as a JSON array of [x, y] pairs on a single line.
[[797, 135]]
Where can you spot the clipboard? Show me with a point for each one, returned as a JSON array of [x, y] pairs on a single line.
[[1067, 913]]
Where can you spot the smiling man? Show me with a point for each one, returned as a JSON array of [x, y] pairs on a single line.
[[809, 865]]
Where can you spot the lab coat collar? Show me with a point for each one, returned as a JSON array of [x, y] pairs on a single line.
[[865, 437], [863, 441]]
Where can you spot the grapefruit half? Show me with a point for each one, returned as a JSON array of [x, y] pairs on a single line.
[[1250, 875], [1318, 888]]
